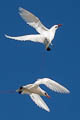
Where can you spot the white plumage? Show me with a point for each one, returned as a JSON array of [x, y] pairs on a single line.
[[34, 91], [45, 35]]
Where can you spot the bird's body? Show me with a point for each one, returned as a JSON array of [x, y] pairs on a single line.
[[34, 91], [45, 35], [28, 89]]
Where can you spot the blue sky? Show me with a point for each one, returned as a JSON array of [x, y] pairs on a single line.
[[22, 63]]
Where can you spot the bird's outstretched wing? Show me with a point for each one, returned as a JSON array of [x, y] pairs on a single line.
[[38, 100], [34, 38], [32, 20], [52, 85]]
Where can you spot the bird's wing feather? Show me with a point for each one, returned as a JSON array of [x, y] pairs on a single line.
[[32, 20], [39, 101], [34, 38], [52, 85]]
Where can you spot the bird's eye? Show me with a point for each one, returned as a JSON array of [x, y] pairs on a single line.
[[56, 26], [45, 93]]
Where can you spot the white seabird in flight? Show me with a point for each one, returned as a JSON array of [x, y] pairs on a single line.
[[45, 35], [34, 91]]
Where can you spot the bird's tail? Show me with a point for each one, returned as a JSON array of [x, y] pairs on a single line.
[[7, 91]]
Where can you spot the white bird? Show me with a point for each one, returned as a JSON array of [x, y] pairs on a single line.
[[34, 91], [45, 35]]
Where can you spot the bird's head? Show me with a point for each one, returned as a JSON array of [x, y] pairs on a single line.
[[55, 27], [46, 94]]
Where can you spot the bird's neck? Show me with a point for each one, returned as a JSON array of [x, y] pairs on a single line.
[[52, 29], [41, 91], [52, 33]]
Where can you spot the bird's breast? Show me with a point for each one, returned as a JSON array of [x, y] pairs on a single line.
[[36, 90], [49, 35]]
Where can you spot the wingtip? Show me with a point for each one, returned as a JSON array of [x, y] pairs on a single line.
[[48, 110], [6, 35], [20, 8], [66, 91], [20, 11]]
